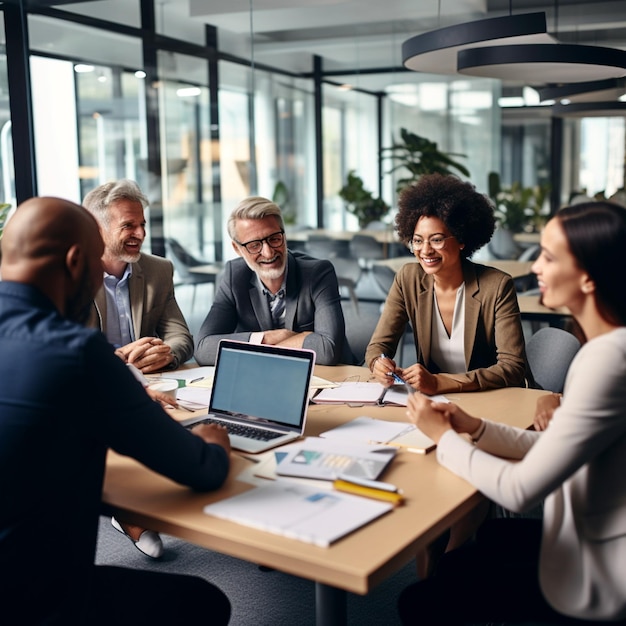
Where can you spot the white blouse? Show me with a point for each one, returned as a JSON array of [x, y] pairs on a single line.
[[448, 352]]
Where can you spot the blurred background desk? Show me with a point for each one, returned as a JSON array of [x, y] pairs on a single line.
[[517, 269], [363, 244]]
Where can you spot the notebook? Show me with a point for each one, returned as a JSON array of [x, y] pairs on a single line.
[[260, 393]]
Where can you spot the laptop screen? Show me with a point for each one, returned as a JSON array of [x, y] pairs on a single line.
[[262, 382]]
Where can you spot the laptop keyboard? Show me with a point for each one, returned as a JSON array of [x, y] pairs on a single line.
[[250, 432]]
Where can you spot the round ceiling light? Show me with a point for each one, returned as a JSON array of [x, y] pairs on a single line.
[[543, 63]]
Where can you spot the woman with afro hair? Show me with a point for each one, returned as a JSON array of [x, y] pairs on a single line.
[[464, 316]]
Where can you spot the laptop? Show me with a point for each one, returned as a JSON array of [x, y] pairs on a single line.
[[260, 393]]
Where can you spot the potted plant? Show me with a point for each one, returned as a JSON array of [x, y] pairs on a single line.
[[421, 156], [518, 208], [361, 202]]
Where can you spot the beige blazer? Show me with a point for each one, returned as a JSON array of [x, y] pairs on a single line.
[[494, 341], [154, 308]]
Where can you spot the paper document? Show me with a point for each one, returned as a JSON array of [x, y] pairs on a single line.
[[302, 512], [197, 396], [371, 430], [321, 383], [200, 376]]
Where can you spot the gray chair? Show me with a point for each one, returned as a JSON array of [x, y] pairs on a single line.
[[183, 262], [348, 273], [531, 253], [549, 352], [324, 247], [366, 249], [384, 277]]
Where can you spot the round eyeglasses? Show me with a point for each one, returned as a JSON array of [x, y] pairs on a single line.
[[436, 242], [275, 240]]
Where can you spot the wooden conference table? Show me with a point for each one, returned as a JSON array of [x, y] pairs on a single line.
[[435, 499]]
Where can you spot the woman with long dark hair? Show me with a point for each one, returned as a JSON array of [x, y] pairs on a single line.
[[568, 567]]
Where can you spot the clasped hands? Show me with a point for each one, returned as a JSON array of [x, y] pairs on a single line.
[[436, 418], [148, 354]]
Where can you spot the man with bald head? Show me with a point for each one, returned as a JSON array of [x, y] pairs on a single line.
[[65, 398]]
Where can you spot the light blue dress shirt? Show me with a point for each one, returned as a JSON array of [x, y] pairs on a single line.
[[119, 326]]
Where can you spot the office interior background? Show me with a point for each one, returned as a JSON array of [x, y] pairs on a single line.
[[206, 102]]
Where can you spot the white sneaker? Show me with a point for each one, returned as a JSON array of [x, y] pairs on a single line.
[[149, 542]]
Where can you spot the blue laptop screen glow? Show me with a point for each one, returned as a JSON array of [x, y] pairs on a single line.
[[265, 386]]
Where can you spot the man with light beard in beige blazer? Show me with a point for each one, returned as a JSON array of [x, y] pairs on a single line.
[[147, 327]]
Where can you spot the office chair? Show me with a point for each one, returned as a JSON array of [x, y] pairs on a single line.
[[348, 273], [549, 352], [183, 262], [384, 277], [366, 248], [322, 246]]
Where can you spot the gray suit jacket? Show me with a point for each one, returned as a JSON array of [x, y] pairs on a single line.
[[312, 304], [495, 355], [154, 308], [577, 464]]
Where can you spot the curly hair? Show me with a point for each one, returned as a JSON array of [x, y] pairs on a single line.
[[468, 214]]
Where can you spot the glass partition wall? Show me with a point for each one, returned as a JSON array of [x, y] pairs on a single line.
[[197, 146]]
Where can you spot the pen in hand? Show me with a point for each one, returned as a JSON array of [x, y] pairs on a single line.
[[392, 374]]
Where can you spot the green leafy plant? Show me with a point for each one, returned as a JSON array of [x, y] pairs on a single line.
[[361, 202], [421, 156], [282, 198], [518, 208]]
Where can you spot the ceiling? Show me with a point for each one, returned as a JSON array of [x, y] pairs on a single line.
[[353, 36], [358, 35]]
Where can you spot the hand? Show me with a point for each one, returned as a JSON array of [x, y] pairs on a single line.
[[460, 421], [213, 433], [430, 417], [420, 379], [544, 410], [148, 354], [162, 398], [383, 366], [285, 338]]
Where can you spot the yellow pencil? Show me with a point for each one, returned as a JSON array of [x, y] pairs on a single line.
[[394, 497]]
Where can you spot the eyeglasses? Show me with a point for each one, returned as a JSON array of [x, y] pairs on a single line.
[[436, 242], [275, 240]]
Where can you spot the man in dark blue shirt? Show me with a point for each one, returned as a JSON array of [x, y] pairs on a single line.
[[64, 399]]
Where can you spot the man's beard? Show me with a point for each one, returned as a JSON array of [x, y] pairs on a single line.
[[120, 253], [267, 274]]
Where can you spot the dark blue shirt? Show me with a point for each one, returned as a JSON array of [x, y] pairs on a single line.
[[64, 399]]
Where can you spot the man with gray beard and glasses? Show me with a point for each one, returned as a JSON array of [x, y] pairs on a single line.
[[271, 295]]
